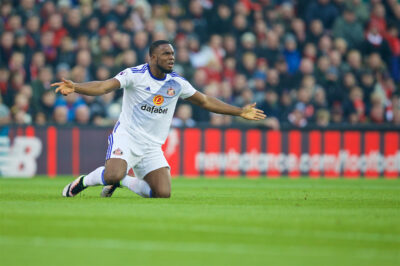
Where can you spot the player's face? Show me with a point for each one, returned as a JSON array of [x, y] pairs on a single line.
[[165, 58]]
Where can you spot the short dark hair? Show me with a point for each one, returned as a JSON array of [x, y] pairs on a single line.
[[155, 44]]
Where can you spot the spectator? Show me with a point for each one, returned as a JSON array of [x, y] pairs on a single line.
[[40, 85], [249, 65], [61, 115], [4, 113], [354, 106], [240, 26], [341, 46], [66, 52], [299, 29], [348, 28], [377, 20], [361, 9], [396, 117], [5, 12], [271, 52], [20, 109], [37, 63], [273, 81], [367, 84], [183, 117], [46, 106], [72, 102], [354, 63], [55, 25], [270, 104], [316, 31], [297, 117], [259, 86], [322, 118], [33, 32], [229, 49], [375, 43], [6, 46], [73, 23], [310, 52], [63, 71], [4, 77], [337, 114], [323, 10], [84, 60], [393, 39], [82, 115], [21, 43], [14, 87], [222, 21], [140, 42], [229, 45], [292, 55]]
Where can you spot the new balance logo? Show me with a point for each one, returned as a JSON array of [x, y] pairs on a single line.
[[148, 89], [153, 109]]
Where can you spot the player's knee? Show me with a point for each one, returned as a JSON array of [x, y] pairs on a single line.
[[112, 176], [163, 193]]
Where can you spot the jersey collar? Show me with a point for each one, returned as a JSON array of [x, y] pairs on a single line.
[[154, 76]]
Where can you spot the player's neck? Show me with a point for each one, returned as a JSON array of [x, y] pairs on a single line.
[[156, 72]]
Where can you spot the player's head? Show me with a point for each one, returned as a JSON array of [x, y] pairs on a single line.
[[162, 55]]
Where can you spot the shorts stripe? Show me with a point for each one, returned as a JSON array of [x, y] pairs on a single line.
[[116, 126], [110, 143], [108, 147]]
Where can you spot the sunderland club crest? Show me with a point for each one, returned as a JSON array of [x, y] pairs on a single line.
[[171, 92], [118, 152]]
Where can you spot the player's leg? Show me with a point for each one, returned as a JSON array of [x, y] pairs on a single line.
[[153, 168], [135, 184], [157, 178], [110, 174], [152, 179], [159, 181], [156, 184], [113, 171]]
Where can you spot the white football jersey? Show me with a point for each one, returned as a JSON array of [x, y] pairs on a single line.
[[148, 103]]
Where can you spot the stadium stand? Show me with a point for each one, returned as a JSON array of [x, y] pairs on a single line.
[[316, 62]]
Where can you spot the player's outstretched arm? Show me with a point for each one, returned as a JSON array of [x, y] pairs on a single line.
[[92, 88], [212, 104]]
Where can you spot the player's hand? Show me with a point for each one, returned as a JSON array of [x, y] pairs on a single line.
[[250, 112], [65, 87]]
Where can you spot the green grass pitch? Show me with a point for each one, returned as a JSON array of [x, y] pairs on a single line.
[[206, 222]]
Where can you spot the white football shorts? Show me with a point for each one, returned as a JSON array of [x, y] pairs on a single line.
[[142, 158]]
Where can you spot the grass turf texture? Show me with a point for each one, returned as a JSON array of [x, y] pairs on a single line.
[[206, 222]]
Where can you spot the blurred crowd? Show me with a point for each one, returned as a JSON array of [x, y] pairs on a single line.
[[305, 62]]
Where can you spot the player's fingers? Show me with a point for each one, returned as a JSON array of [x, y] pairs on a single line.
[[57, 84], [67, 81], [261, 116], [58, 89], [66, 91]]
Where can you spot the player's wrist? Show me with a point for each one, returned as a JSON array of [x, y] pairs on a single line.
[[241, 111], [74, 86]]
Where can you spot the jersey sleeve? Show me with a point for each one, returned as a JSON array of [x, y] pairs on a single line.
[[126, 78], [187, 90]]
